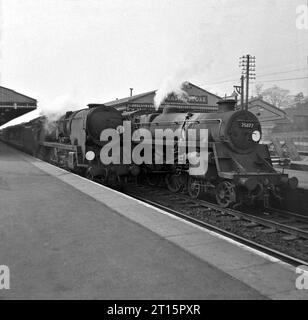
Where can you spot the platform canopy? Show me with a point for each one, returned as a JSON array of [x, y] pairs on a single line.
[[14, 104]]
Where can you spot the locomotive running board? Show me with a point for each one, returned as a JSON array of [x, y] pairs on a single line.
[[67, 147]]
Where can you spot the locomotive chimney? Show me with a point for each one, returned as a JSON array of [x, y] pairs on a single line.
[[226, 105], [131, 91]]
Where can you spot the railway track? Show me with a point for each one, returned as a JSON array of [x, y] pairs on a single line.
[[279, 233]]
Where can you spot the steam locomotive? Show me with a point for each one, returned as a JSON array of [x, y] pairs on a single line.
[[239, 166], [73, 142]]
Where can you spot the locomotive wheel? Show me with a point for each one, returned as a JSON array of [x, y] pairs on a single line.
[[89, 174], [193, 187], [225, 194], [174, 182], [153, 179]]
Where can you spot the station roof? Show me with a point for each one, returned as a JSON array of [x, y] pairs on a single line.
[[128, 99], [14, 104], [253, 101], [267, 112], [9, 96]]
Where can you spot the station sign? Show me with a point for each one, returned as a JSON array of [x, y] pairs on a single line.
[[172, 98]]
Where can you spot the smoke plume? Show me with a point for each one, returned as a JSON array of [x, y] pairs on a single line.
[[55, 109], [52, 110], [171, 85]]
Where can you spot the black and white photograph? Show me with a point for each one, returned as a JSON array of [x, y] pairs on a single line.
[[153, 153]]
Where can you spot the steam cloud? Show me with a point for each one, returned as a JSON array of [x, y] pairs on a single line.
[[59, 106], [170, 85], [51, 110], [55, 109], [177, 79]]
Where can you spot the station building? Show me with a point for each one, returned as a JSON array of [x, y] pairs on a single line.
[[14, 104], [197, 100], [269, 115], [297, 128]]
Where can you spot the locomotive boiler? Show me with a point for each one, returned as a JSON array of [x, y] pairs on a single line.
[[239, 166]]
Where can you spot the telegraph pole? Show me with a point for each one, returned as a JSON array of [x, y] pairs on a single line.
[[248, 64], [247, 80]]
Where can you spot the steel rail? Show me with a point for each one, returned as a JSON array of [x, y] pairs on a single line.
[[269, 223]]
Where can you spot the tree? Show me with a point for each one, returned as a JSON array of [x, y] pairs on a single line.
[[280, 97], [276, 96], [299, 98]]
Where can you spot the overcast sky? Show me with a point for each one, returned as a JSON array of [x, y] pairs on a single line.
[[96, 50]]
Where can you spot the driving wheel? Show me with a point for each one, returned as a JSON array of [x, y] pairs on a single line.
[[225, 194], [174, 182]]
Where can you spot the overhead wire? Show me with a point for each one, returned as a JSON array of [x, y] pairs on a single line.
[[264, 75]]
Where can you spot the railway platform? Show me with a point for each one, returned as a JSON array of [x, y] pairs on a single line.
[[64, 237], [300, 165]]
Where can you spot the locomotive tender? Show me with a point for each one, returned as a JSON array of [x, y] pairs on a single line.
[[239, 166]]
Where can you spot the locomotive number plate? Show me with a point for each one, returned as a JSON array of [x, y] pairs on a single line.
[[246, 124]]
